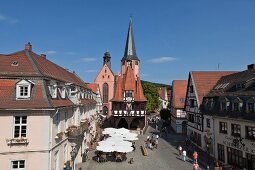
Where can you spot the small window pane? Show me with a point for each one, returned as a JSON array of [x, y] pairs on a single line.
[[24, 119], [17, 119], [22, 164]]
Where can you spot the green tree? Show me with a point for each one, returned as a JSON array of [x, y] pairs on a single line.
[[165, 114], [152, 96]]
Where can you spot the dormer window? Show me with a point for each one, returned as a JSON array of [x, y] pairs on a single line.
[[235, 106], [223, 106], [129, 95], [72, 91], [63, 92], [53, 91], [250, 107], [23, 89]]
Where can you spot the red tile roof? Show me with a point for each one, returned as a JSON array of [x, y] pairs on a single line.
[[8, 96], [28, 64], [23, 68], [88, 101], [162, 92], [93, 87], [179, 93], [128, 82], [205, 81], [31, 64]]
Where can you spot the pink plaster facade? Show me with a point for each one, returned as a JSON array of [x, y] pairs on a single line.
[[106, 76], [37, 113]]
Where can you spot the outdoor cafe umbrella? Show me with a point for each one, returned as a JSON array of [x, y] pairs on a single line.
[[105, 148], [109, 130], [123, 148], [128, 136]]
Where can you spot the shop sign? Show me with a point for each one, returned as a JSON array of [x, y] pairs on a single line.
[[239, 143]]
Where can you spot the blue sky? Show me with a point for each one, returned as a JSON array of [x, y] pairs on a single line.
[[172, 37]]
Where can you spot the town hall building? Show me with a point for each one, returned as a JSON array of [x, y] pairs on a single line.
[[123, 100]]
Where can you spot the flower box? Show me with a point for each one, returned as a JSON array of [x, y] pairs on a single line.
[[14, 141]]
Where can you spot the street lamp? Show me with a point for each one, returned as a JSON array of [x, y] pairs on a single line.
[[73, 153]]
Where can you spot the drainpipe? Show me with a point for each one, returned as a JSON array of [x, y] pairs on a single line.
[[50, 132]]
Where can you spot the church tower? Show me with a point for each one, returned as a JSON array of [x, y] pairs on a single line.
[[107, 59], [130, 58], [129, 102]]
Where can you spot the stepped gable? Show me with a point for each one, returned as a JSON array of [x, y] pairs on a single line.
[[204, 81], [179, 92]]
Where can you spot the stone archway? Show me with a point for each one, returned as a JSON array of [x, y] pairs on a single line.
[[105, 110], [122, 123], [135, 123]]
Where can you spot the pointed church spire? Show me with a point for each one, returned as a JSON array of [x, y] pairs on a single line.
[[130, 52]]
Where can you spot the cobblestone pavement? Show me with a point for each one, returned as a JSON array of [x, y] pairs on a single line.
[[164, 158]]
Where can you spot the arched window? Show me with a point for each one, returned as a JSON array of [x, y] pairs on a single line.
[[105, 93]]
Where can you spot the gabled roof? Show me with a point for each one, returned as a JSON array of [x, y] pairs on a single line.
[[204, 81], [162, 92], [129, 79], [93, 87], [130, 51], [179, 92], [128, 82]]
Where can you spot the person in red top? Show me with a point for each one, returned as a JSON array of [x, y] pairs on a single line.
[[195, 156]]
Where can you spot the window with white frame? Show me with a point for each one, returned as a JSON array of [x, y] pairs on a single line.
[[23, 89], [20, 126], [72, 91], [53, 91], [18, 165]]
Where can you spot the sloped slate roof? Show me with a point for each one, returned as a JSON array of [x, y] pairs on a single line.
[[231, 80]]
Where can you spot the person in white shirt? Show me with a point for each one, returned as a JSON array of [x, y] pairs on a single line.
[[184, 155]]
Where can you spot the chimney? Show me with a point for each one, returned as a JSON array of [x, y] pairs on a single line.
[[43, 56], [28, 46], [251, 67]]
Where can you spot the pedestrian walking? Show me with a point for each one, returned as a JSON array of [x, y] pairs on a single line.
[[195, 156], [184, 155], [156, 127], [180, 150]]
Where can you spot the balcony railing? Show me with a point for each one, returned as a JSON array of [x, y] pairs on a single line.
[[14, 141]]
